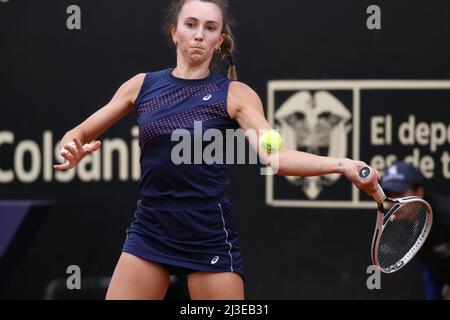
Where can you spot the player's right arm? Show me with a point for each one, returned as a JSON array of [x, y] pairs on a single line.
[[121, 104]]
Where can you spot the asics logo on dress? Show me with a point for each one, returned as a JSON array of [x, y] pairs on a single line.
[[207, 97], [214, 260]]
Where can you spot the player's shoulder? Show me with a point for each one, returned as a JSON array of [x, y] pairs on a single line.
[[135, 81], [241, 97], [241, 90], [138, 79], [130, 89], [239, 86]]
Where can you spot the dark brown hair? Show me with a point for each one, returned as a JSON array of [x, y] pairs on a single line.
[[228, 46]]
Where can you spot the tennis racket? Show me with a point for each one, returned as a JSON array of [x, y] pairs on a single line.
[[401, 231]]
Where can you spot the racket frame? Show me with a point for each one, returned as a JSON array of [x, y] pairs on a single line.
[[383, 220]]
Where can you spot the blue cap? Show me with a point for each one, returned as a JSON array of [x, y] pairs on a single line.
[[400, 177]]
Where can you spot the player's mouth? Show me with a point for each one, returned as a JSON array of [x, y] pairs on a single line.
[[198, 48]]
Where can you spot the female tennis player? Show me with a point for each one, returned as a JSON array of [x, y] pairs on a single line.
[[184, 224]]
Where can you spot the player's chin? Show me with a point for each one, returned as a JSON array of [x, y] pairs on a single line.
[[198, 58]]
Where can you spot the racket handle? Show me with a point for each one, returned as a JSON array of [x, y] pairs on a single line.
[[379, 195]]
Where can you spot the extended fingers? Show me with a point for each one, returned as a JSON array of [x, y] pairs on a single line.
[[66, 154], [74, 151], [78, 145], [60, 167], [94, 146]]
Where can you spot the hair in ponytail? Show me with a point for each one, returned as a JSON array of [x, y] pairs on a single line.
[[227, 52]]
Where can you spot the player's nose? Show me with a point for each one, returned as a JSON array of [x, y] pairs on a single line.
[[199, 35]]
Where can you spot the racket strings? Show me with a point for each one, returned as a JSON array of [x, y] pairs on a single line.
[[401, 233]]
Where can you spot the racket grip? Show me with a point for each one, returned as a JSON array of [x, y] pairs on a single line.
[[379, 195]]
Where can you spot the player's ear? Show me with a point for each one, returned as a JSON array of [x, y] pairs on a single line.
[[173, 30], [222, 39]]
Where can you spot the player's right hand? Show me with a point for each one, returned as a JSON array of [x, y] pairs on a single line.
[[74, 152]]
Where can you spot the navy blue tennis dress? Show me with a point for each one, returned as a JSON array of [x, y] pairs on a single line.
[[183, 219]]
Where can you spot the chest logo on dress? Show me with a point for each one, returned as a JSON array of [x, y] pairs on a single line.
[[207, 97]]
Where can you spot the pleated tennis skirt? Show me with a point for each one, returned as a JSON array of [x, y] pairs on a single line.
[[186, 236]]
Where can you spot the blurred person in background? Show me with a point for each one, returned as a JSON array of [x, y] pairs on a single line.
[[403, 180]]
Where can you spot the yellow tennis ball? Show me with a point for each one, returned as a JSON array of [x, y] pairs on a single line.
[[271, 141]]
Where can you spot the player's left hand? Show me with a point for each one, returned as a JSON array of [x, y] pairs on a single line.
[[352, 169]]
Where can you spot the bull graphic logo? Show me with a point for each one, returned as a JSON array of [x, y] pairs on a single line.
[[317, 124]]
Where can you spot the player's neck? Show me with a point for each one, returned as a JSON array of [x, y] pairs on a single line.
[[186, 71]]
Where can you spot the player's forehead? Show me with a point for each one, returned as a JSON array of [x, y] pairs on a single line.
[[201, 11]]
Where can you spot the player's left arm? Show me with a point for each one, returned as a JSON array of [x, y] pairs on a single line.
[[245, 106]]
